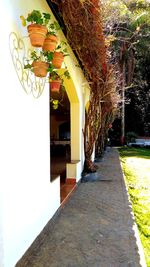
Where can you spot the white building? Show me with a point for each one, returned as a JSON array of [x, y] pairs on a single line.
[[28, 196]]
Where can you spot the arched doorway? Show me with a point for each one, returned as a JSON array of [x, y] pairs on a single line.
[[65, 133], [60, 135]]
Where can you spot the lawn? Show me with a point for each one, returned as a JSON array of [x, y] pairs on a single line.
[[136, 167]]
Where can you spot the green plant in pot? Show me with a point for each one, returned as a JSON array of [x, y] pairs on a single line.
[[59, 54], [51, 39], [54, 77], [39, 63], [37, 28], [57, 80]]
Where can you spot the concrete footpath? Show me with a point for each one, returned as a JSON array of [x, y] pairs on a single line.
[[94, 228]]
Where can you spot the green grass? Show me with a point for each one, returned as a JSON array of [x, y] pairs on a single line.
[[136, 167]]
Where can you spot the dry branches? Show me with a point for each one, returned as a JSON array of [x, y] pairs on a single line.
[[83, 20]]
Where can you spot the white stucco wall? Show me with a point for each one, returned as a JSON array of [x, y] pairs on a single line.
[[28, 199]]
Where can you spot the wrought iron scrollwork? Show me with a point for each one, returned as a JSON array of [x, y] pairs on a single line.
[[19, 54]]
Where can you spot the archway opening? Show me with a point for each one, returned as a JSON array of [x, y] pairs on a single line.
[[65, 137], [60, 136]]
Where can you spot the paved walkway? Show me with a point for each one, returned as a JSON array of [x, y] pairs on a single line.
[[94, 229]]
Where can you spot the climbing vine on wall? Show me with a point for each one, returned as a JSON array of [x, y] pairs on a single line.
[[84, 24]]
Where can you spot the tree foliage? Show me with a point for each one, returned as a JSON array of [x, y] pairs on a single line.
[[129, 24]]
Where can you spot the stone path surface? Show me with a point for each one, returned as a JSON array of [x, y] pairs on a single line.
[[94, 229]]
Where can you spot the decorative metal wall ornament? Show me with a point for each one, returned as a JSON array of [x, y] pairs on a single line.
[[19, 54]]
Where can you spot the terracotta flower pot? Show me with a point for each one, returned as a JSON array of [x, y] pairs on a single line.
[[58, 59], [37, 34], [40, 68], [50, 43], [55, 85]]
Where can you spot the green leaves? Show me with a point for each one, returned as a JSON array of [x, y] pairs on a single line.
[[39, 18], [27, 66], [67, 74], [54, 76], [49, 56], [55, 103], [23, 20], [46, 16], [35, 16], [62, 47], [51, 68], [53, 28], [43, 19]]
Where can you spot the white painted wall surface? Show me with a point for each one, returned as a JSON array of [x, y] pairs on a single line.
[[28, 199]]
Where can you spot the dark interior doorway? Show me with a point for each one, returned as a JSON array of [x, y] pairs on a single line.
[[60, 137]]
